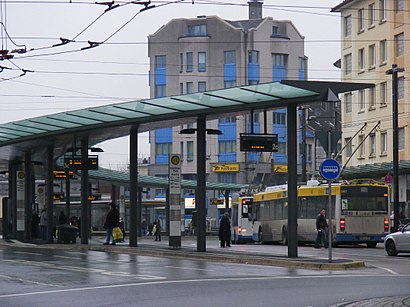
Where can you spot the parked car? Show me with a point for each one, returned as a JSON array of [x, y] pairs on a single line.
[[398, 242]]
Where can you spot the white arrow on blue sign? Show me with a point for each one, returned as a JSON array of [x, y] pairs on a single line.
[[330, 169]]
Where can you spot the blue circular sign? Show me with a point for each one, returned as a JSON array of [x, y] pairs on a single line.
[[330, 169]]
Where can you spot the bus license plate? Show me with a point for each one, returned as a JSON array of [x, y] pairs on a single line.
[[365, 238]]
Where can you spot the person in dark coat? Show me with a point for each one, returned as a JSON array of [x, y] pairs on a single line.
[[225, 230], [157, 227], [321, 226], [35, 220], [112, 221], [62, 218]]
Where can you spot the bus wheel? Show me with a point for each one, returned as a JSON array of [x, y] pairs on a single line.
[[371, 244], [260, 235], [284, 237]]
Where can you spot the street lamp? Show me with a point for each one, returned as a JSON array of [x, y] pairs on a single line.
[[395, 101]]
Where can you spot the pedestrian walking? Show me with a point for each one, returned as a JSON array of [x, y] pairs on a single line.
[[225, 230], [157, 232], [43, 224], [321, 227], [111, 221]]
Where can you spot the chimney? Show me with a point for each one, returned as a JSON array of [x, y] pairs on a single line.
[[255, 9]]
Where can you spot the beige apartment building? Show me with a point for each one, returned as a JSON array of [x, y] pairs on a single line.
[[375, 35]]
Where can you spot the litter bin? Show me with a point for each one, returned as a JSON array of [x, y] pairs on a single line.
[[67, 233]]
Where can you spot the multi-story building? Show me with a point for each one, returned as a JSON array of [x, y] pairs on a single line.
[[375, 35], [207, 53]]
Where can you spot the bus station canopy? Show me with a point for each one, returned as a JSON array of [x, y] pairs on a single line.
[[152, 181], [107, 122]]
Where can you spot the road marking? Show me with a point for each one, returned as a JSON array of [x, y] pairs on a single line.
[[149, 283], [89, 270], [28, 281], [389, 270]]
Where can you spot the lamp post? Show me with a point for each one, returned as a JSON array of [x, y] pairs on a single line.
[[395, 102]]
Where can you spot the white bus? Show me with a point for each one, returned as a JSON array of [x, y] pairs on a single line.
[[242, 218], [360, 211]]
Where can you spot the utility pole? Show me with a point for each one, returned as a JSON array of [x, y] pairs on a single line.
[[395, 102]]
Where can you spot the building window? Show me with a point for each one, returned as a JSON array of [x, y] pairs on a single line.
[[229, 84], [348, 25], [360, 20], [201, 61], [348, 102], [160, 90], [383, 93], [362, 100], [382, 10], [227, 147], [372, 56], [197, 30], [181, 150], [189, 87], [383, 142], [399, 44], [372, 15], [348, 147], [383, 51], [275, 31], [362, 150], [190, 151], [361, 60], [279, 66], [253, 56], [278, 118], [160, 61], [201, 86], [372, 98], [372, 145], [399, 6], [400, 86], [181, 62], [181, 88], [230, 57], [227, 120], [402, 140], [189, 61], [348, 64]]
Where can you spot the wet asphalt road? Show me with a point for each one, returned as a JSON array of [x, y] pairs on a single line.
[[42, 277]]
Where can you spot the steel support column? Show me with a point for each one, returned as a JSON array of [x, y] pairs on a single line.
[[133, 186], [85, 227], [200, 203], [27, 196], [292, 181], [49, 192]]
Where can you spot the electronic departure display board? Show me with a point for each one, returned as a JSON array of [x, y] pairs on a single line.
[[259, 142], [76, 162]]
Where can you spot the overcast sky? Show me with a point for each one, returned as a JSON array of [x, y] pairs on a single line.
[[63, 78]]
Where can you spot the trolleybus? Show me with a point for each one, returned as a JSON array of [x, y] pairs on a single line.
[[241, 218], [360, 211]]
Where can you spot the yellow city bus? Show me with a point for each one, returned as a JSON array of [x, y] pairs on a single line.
[[360, 211]]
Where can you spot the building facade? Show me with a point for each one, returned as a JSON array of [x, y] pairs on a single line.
[[208, 53], [375, 35]]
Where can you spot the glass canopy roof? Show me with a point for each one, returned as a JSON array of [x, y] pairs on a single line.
[[146, 110]]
